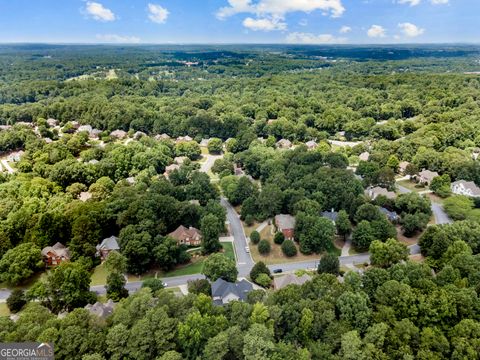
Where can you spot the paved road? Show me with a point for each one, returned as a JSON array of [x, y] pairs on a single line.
[[244, 259], [345, 143], [7, 166]]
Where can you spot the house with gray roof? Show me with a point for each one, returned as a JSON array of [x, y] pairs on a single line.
[[106, 246], [391, 215], [426, 176], [330, 215], [224, 292], [100, 309], [285, 224], [467, 188], [374, 192]]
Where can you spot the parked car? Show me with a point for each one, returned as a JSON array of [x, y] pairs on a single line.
[[277, 271], [247, 249]]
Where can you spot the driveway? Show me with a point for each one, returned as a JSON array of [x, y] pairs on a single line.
[[206, 166]]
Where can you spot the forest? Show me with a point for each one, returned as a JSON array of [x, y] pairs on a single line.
[[116, 141]]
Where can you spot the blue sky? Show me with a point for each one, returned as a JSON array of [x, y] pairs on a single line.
[[240, 21]]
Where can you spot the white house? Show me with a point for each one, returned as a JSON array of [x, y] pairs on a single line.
[[467, 188]]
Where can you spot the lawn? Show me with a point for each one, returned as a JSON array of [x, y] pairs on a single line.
[[4, 310], [194, 267], [411, 185], [276, 255], [99, 275]]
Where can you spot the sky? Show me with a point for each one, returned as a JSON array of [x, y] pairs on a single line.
[[240, 21]]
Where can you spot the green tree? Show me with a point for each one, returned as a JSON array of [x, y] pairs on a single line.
[[219, 266], [215, 146], [153, 284], [362, 235], [289, 249], [210, 227], [190, 149], [329, 264], [440, 185], [115, 262], [199, 286], [343, 225], [255, 237], [315, 234], [388, 253], [16, 301], [264, 247], [116, 286], [263, 280], [20, 263], [279, 238], [259, 268]]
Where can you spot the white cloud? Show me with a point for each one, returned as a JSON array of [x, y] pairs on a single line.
[[345, 29], [376, 31], [308, 38], [264, 24], [157, 13], [114, 38], [410, 2], [410, 30], [270, 14], [439, 2], [99, 12]]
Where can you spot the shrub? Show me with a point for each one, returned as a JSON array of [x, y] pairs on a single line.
[[249, 220], [16, 301], [288, 248], [279, 238], [255, 237], [264, 247], [263, 280], [199, 286], [153, 284]]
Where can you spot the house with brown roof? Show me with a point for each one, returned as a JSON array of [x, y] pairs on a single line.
[[286, 224], [311, 145], [374, 192], [56, 254], [289, 279], [170, 168], [187, 236], [100, 309], [402, 167], [119, 134], [364, 156], [426, 176], [181, 139], [162, 137], [284, 144]]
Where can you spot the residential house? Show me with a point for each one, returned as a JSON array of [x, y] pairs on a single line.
[[224, 292], [162, 137], [119, 134], [131, 180], [85, 195], [374, 192], [364, 156], [52, 122], [170, 168], [181, 139], [284, 144], [180, 160], [467, 188], [15, 156], [138, 135], [283, 281], [94, 134], [426, 176], [87, 128], [330, 215], [187, 236], [5, 127], [391, 215], [100, 309], [56, 254], [402, 167], [286, 224], [107, 246], [311, 145]]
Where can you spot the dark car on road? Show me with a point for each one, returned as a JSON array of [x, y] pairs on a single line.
[[277, 271]]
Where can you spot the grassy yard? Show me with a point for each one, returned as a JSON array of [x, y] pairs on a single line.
[[4, 310], [194, 267], [410, 185], [99, 275]]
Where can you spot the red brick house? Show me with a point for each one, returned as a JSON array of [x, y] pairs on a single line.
[[184, 236], [285, 224], [56, 254], [107, 246]]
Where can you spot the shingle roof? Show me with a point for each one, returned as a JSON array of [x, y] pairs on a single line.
[[283, 221], [58, 250], [282, 281], [468, 185], [101, 310], [331, 215], [222, 288], [109, 243], [182, 233]]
